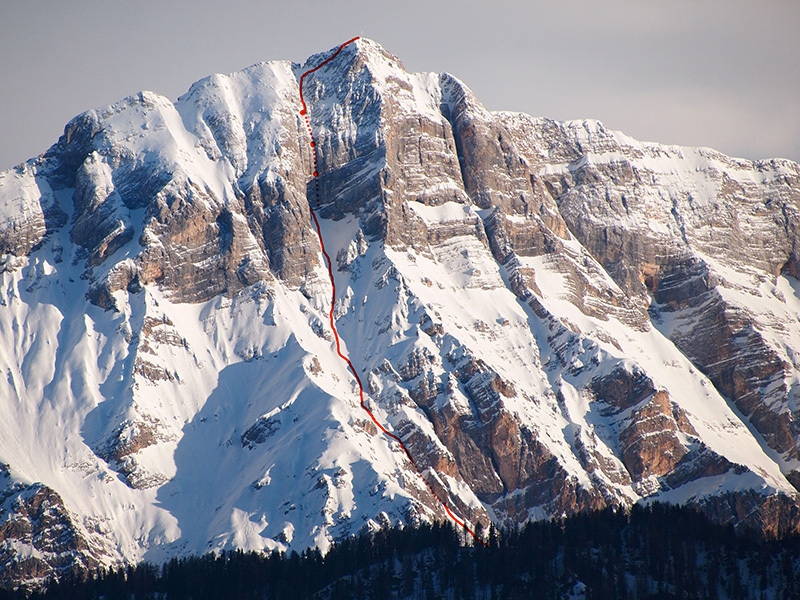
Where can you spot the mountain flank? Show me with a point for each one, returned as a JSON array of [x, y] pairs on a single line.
[[553, 317]]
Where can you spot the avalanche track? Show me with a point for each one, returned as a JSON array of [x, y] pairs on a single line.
[[304, 113]]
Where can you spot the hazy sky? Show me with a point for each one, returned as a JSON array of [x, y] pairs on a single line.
[[719, 73]]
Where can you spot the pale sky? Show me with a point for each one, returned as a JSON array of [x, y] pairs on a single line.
[[718, 73]]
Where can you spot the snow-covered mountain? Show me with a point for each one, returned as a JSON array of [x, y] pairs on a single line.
[[553, 317]]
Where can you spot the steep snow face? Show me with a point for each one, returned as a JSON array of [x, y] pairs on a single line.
[[551, 316]]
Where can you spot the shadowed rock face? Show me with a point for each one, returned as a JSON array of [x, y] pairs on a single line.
[[552, 316], [39, 539]]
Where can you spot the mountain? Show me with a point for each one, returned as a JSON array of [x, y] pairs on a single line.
[[552, 317]]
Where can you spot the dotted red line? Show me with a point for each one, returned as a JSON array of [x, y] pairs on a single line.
[[342, 355]]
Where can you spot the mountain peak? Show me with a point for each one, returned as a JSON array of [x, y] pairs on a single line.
[[551, 316], [358, 50]]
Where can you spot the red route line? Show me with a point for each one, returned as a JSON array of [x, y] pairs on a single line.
[[342, 355]]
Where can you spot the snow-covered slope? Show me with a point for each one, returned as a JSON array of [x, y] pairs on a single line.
[[551, 316]]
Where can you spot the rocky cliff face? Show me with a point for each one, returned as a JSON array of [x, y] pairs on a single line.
[[553, 317], [705, 238], [40, 538]]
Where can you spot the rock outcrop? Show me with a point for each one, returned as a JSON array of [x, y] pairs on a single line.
[[39, 538]]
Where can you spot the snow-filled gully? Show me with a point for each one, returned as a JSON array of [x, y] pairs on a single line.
[[304, 113]]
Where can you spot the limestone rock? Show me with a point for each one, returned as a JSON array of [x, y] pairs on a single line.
[[551, 316]]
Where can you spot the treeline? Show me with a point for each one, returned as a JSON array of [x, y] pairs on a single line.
[[657, 552]]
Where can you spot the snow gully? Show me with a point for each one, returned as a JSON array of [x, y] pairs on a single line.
[[304, 113]]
